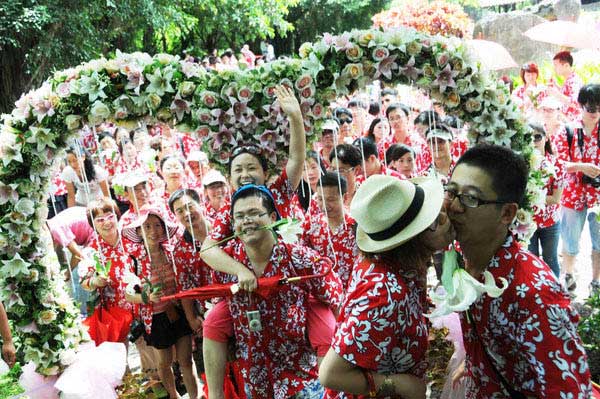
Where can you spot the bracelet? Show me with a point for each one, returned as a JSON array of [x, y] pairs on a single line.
[[370, 383]]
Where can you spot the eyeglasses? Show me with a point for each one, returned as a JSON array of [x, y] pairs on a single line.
[[243, 149], [105, 218], [468, 200], [591, 109], [538, 137], [343, 121], [342, 170], [240, 217]]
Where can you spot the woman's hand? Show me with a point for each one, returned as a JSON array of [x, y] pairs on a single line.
[[9, 353], [287, 100]]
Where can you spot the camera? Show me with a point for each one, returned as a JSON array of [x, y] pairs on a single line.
[[135, 330], [595, 182], [254, 323]]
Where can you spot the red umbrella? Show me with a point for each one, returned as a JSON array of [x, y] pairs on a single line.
[[266, 286]]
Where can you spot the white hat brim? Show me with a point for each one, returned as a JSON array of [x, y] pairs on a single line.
[[434, 198]]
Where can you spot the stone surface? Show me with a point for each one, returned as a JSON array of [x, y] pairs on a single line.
[[507, 29]]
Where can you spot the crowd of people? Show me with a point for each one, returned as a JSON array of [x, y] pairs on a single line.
[[380, 197], [230, 60]]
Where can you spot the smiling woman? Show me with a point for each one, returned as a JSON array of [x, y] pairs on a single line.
[[222, 108]]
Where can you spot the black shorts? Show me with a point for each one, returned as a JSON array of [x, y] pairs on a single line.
[[165, 334]]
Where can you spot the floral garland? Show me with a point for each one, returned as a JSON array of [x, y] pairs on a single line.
[[223, 109]]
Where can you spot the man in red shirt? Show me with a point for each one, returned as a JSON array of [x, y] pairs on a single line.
[[567, 94], [371, 165], [581, 160], [524, 341]]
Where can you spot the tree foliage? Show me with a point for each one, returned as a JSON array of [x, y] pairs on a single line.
[[39, 36]]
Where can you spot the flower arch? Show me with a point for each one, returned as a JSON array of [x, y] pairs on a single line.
[[223, 109]]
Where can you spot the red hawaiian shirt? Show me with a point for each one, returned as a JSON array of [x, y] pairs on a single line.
[[551, 213], [120, 263], [192, 272], [58, 187], [571, 89], [286, 202], [530, 331], [458, 147], [382, 326], [339, 245], [577, 195], [278, 361], [529, 101]]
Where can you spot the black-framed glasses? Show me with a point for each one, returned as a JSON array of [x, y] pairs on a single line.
[[468, 200], [538, 137], [239, 217], [591, 109], [243, 149]]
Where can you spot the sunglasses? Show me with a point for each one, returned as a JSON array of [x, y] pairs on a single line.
[[246, 149], [105, 218], [343, 121], [538, 137]]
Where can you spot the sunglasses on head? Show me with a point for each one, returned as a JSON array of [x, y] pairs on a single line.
[[243, 149], [538, 137]]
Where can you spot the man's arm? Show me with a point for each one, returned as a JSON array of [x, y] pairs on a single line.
[[8, 348], [297, 151], [219, 260]]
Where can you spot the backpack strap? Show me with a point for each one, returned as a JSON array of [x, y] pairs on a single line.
[[569, 131]]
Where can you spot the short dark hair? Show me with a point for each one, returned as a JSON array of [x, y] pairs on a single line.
[[366, 146], [428, 117], [180, 194], [374, 108], [453, 121], [389, 92], [355, 102], [589, 94], [334, 179], [347, 154], [251, 190], [342, 111], [395, 107], [251, 149], [397, 151], [507, 169], [104, 134], [564, 56]]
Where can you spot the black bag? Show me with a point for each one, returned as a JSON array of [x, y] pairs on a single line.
[[136, 328]]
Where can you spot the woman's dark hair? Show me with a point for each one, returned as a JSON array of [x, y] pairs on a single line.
[[104, 134], [188, 192], [251, 190], [589, 94], [395, 107], [251, 149], [355, 102], [339, 111], [88, 164], [372, 126], [397, 151], [374, 108], [540, 129], [412, 256], [428, 118], [304, 190], [314, 155], [453, 122], [136, 131]]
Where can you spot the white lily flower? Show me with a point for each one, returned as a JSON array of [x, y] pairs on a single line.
[[131, 280], [462, 289], [289, 231]]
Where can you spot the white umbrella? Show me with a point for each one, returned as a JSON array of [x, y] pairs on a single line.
[[566, 34], [491, 55]]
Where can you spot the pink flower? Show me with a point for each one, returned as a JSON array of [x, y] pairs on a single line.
[[307, 92], [342, 42], [317, 110], [179, 106], [410, 70], [268, 139], [204, 115], [303, 81], [224, 136], [245, 94], [386, 66], [446, 78], [305, 108], [209, 98], [64, 89], [135, 77], [380, 53], [203, 131], [43, 108], [269, 91]]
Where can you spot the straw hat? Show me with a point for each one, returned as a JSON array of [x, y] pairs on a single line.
[[130, 231], [389, 211]]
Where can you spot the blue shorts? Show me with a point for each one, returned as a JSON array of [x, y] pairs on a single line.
[[571, 227]]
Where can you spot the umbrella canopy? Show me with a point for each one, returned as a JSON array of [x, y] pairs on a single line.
[[266, 286], [566, 34], [491, 55]]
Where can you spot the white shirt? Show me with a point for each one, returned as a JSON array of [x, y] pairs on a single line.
[[85, 192]]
